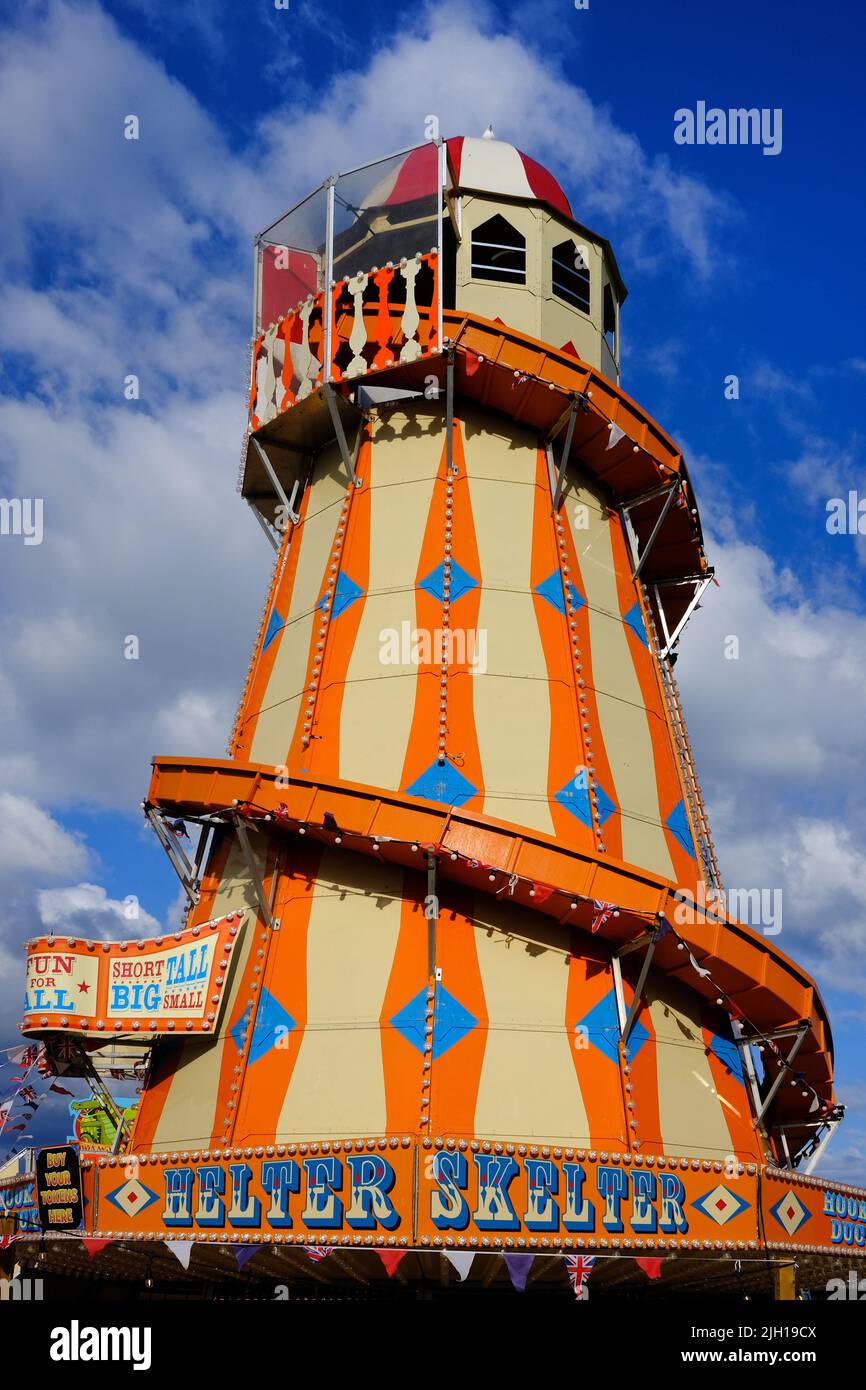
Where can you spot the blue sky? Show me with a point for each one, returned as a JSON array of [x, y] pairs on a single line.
[[122, 257]]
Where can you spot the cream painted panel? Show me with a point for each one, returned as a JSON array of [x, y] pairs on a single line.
[[512, 698], [691, 1113], [528, 1088], [623, 719], [278, 715], [379, 700], [338, 1084], [189, 1115]]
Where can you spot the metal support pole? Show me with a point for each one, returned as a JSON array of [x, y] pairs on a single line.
[[551, 468], [449, 411], [329, 275], [745, 1048], [177, 858], [566, 450], [669, 501], [440, 239], [204, 837], [771, 1094], [269, 469], [616, 971], [252, 870], [336, 421], [698, 594], [264, 525], [663, 618], [638, 990], [817, 1154]]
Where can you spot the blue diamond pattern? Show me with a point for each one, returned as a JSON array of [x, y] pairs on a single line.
[[442, 782], [729, 1055], [275, 623], [634, 620], [346, 591], [738, 1205], [551, 589], [461, 582], [451, 1021], [678, 824], [602, 1024], [576, 800], [790, 1226], [149, 1197], [271, 1016]]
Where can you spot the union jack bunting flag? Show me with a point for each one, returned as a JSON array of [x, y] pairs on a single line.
[[318, 1252], [603, 911], [579, 1269]]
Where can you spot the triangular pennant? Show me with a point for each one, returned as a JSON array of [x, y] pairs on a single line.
[[652, 1267], [245, 1253], [93, 1247], [614, 436], [390, 1259], [461, 1260], [181, 1249], [541, 892], [518, 1269]]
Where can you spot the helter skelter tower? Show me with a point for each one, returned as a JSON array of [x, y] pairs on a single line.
[[445, 993]]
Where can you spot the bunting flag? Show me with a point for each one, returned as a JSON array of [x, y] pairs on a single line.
[[61, 1090], [390, 1259], [579, 1269], [23, 1056], [518, 1269], [245, 1253], [318, 1252], [651, 1266], [471, 362], [179, 829], [181, 1249], [615, 434], [603, 911], [461, 1260], [540, 892], [93, 1247]]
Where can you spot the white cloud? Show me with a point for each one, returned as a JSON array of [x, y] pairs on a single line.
[[780, 744], [85, 909], [31, 841]]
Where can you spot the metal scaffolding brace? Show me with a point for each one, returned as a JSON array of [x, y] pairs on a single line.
[[252, 870], [671, 637], [349, 460], [288, 504], [186, 870], [672, 493]]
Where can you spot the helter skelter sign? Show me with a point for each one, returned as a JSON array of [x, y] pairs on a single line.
[[163, 984]]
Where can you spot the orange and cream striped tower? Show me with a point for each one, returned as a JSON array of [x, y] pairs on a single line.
[[472, 983]]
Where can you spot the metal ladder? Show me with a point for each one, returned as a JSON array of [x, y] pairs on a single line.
[[685, 757]]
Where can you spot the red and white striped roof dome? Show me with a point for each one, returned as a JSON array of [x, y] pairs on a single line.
[[483, 164], [492, 166]]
